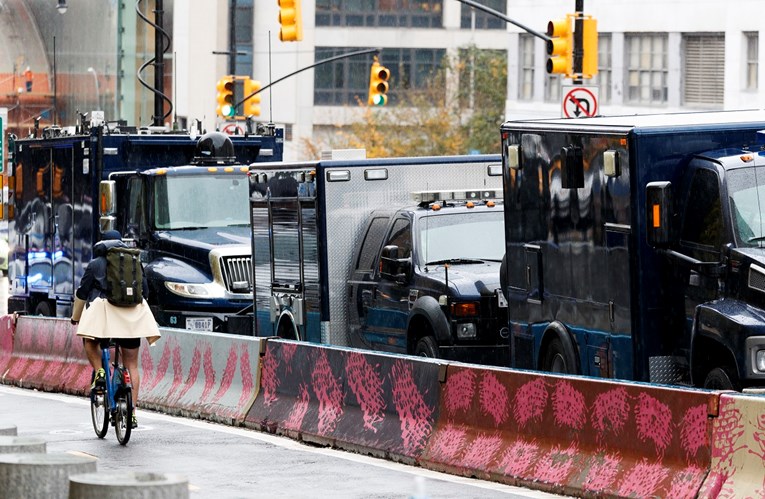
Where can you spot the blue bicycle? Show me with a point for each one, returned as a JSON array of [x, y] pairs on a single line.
[[112, 401]]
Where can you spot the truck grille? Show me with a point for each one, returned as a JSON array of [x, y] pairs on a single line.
[[237, 273], [757, 278]]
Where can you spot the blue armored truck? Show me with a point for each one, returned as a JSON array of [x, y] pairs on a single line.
[[635, 247]]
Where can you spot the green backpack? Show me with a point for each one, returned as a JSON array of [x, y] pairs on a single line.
[[124, 276]]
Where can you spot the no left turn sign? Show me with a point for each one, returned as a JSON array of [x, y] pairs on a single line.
[[579, 102]]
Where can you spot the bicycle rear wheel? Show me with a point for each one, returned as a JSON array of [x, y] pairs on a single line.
[[99, 414], [123, 424]]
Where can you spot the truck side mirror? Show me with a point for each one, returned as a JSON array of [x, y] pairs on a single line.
[[658, 214], [392, 267]]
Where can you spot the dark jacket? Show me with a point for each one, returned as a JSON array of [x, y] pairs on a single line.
[[93, 284]]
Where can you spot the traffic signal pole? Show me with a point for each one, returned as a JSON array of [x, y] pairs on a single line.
[[323, 61], [500, 15], [578, 41]]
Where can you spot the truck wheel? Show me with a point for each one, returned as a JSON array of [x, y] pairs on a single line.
[[722, 378], [43, 308], [286, 329], [556, 360], [427, 347]]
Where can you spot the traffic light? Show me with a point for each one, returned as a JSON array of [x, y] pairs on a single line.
[[291, 19], [378, 84], [589, 47], [561, 47], [251, 105], [225, 97]]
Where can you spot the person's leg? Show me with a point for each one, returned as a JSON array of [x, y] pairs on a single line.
[[130, 360], [93, 352]]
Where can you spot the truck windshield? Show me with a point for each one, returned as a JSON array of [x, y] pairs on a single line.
[[200, 201], [461, 237], [746, 188]]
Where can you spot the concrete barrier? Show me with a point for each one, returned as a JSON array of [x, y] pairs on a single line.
[[8, 429], [572, 435], [21, 445], [7, 328], [40, 476], [203, 375], [738, 451], [377, 404], [128, 484]]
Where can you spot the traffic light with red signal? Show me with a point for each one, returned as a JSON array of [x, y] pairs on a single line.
[[225, 97], [252, 105], [378, 84], [291, 19]]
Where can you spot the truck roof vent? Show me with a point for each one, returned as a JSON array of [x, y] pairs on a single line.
[[757, 278], [214, 148]]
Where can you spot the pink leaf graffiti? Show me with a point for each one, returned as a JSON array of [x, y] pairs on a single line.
[[269, 380], [297, 414], [555, 466], [413, 412], [448, 443], [196, 363], [481, 452], [654, 422], [494, 399], [248, 382], [603, 472], [288, 351], [727, 432], [568, 406], [693, 431], [329, 394], [459, 391], [367, 386], [519, 457], [643, 480], [228, 374], [530, 402], [209, 370], [685, 484], [610, 412]]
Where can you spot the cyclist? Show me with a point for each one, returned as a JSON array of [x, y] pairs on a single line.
[[101, 320]]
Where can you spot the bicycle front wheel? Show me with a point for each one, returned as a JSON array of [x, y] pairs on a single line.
[[123, 424], [99, 413]]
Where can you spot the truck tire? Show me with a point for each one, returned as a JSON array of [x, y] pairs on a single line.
[[722, 378], [557, 360], [427, 347], [43, 308], [286, 328]]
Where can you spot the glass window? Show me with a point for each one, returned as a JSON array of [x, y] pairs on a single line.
[[195, 201], [526, 57], [603, 78], [746, 188], [401, 236], [552, 87], [452, 237], [646, 69], [346, 81], [703, 223], [243, 18], [372, 241], [478, 19], [379, 13], [752, 41]]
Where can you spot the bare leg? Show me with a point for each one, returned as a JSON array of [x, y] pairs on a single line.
[[93, 352], [130, 359]]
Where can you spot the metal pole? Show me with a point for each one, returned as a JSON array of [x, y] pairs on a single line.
[[578, 40], [232, 38], [159, 65]]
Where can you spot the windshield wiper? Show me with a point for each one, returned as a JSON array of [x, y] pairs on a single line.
[[455, 261], [756, 239]]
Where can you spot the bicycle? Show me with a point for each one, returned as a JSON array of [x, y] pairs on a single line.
[[115, 396]]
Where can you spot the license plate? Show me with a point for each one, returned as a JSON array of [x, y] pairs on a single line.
[[200, 324], [501, 302]]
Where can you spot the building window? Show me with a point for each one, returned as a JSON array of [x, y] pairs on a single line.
[[603, 78], [704, 80], [750, 79], [379, 13], [646, 69], [346, 81], [242, 36], [552, 87], [526, 58], [481, 19]]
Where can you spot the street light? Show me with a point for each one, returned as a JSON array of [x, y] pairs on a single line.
[[61, 6], [95, 79]]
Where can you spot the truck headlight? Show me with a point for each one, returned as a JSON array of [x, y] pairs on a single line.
[[195, 290], [466, 330], [759, 360]]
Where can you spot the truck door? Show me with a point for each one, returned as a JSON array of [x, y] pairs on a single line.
[[362, 285], [388, 316]]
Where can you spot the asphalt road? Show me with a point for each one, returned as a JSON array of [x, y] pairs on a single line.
[[226, 462]]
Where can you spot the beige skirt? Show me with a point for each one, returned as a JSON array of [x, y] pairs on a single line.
[[103, 320]]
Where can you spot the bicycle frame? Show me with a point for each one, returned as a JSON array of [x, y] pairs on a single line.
[[116, 397]]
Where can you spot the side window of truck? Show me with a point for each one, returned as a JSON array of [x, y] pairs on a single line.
[[135, 215], [703, 224], [401, 236], [371, 245]]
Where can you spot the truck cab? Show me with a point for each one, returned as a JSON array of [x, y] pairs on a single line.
[[426, 281]]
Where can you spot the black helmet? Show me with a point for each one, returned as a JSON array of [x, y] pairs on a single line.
[[214, 148]]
